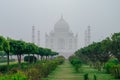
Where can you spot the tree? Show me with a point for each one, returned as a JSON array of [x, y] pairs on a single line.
[[41, 52], [47, 52], [6, 48], [2, 40], [115, 48], [29, 49], [17, 47]]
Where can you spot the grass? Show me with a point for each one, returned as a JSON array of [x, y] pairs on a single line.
[[64, 72], [67, 72]]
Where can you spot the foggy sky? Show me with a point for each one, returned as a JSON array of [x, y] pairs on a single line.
[[18, 16]]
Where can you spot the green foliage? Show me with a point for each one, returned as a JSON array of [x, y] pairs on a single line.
[[115, 71], [18, 76], [3, 68], [19, 48], [95, 77], [30, 59], [33, 73], [113, 67], [110, 64], [60, 59], [86, 76], [75, 61], [2, 40]]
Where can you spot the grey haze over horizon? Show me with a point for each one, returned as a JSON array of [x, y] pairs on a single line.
[[18, 16]]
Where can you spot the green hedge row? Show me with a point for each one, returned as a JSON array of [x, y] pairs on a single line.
[[75, 61], [34, 71]]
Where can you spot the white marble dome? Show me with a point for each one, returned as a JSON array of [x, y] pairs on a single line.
[[61, 25]]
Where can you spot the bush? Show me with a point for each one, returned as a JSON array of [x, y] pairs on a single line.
[[75, 61], [60, 59], [35, 71], [113, 67], [110, 64], [18, 76], [86, 76], [33, 74], [30, 59], [115, 71], [12, 67]]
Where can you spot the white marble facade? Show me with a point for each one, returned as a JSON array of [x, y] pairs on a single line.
[[61, 39]]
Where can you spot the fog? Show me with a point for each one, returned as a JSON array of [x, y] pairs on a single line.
[[18, 16]]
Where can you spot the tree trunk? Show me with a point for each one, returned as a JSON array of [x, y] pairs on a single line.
[[19, 61], [33, 58], [38, 56], [8, 61], [41, 58], [28, 58]]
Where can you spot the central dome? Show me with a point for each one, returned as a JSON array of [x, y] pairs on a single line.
[[61, 25]]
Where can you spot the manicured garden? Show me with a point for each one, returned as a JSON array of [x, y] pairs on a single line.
[[67, 72], [97, 61], [38, 62]]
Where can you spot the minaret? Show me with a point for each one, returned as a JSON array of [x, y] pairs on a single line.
[[87, 36], [38, 38], [33, 34]]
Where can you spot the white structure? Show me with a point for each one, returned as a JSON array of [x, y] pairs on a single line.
[[87, 36], [61, 39]]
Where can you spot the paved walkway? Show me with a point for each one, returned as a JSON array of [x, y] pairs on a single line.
[[64, 72]]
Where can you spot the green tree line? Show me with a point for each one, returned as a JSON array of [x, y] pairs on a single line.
[[103, 55], [19, 48], [101, 51]]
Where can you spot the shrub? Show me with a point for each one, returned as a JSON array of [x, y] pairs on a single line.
[[95, 77], [60, 59], [75, 61], [18, 76], [115, 71], [86, 76], [110, 64], [12, 67], [33, 74]]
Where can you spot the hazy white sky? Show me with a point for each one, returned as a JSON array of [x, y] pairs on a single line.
[[18, 16]]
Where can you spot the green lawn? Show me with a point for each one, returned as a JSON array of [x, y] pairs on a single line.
[[67, 72]]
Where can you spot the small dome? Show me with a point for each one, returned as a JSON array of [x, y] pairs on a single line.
[[61, 25]]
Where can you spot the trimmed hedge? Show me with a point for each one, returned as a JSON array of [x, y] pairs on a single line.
[[75, 61], [18, 76], [34, 71]]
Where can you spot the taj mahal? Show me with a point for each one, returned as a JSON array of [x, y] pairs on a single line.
[[62, 39]]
